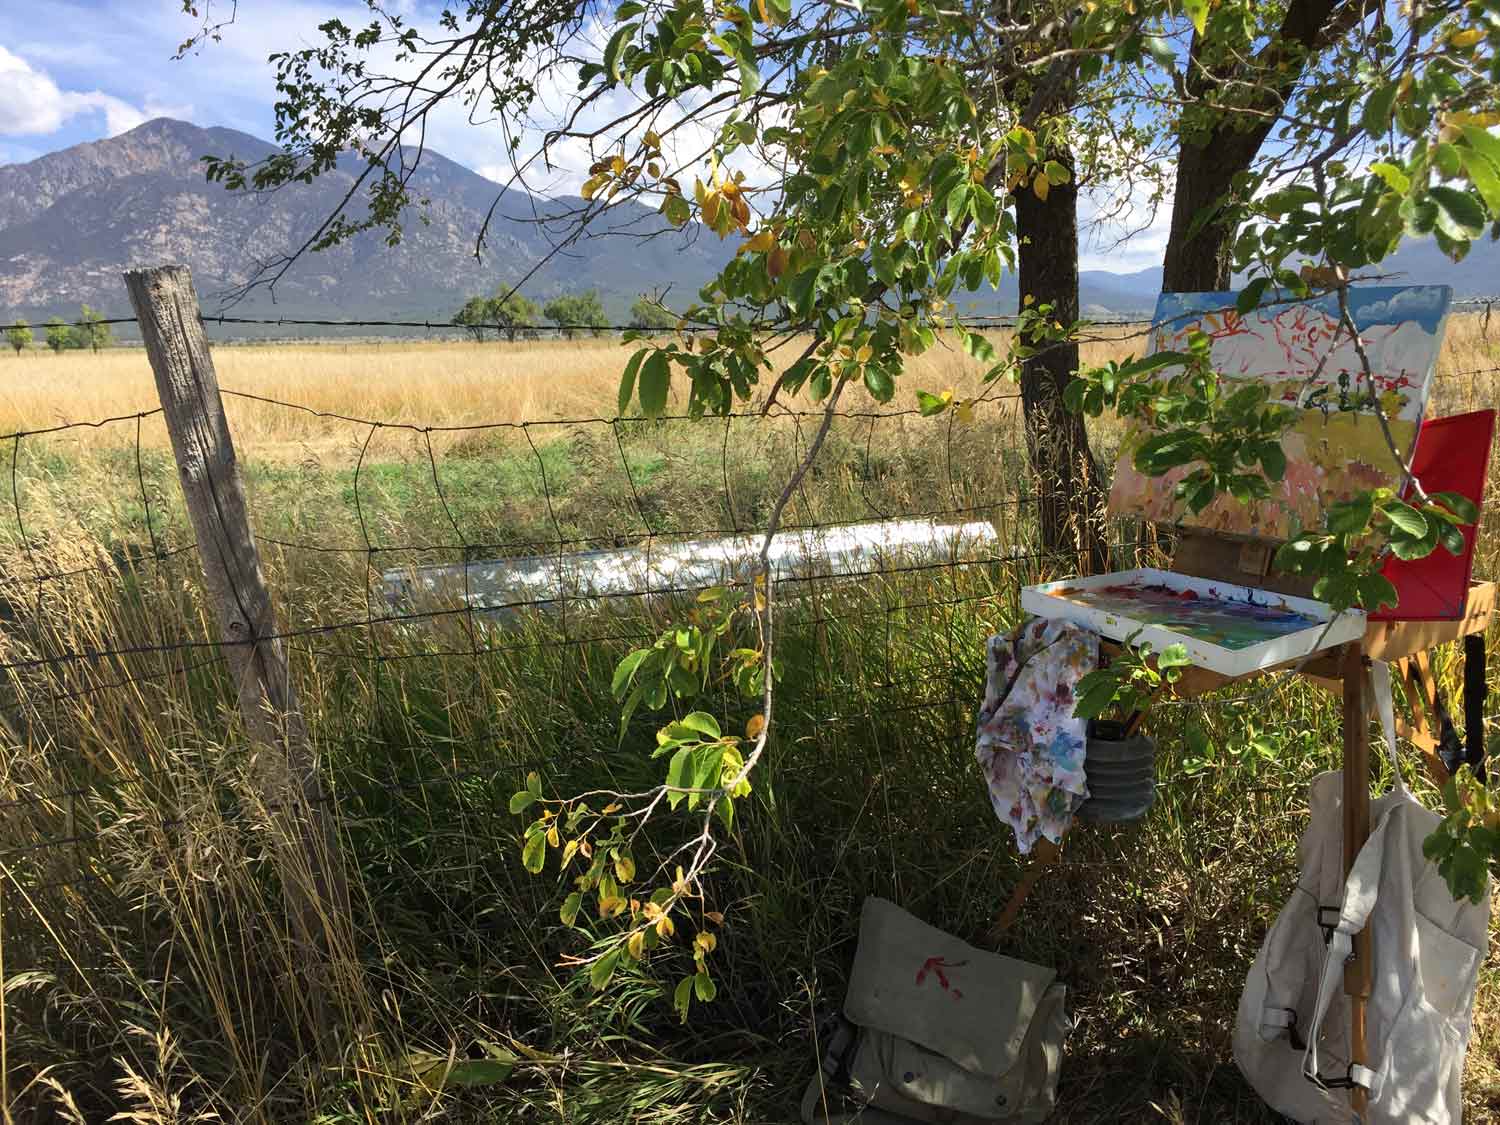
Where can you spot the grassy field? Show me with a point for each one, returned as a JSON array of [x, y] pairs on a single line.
[[148, 965]]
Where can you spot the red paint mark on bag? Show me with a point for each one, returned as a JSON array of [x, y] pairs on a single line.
[[935, 966]]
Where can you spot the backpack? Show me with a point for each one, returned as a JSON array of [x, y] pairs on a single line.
[[1291, 1036], [935, 1030]]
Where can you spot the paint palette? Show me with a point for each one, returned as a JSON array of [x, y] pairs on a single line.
[[1233, 630]]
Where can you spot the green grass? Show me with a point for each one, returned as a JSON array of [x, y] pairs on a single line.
[[170, 973]]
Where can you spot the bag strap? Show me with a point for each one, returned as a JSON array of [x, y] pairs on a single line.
[[1380, 679], [1360, 891]]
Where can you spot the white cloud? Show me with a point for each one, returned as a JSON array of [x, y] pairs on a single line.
[[35, 105]]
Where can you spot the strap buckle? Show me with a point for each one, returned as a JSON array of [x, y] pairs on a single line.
[[1328, 928], [1345, 1083]]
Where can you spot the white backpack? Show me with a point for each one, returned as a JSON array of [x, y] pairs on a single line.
[[1291, 1038]]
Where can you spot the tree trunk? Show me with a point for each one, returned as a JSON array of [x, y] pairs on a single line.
[[1070, 496], [1209, 157]]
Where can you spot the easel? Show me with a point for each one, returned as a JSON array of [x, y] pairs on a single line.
[[1404, 644]]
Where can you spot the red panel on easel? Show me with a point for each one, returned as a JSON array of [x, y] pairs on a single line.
[[1453, 455]]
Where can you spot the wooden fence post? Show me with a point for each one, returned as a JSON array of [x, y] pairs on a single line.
[[309, 860]]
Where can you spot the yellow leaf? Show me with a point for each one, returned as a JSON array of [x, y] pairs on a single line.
[[1466, 38], [754, 726], [664, 927], [617, 164], [1027, 301], [762, 241], [592, 185], [624, 867], [864, 354], [710, 204], [706, 942], [653, 142], [653, 170], [636, 946], [776, 262], [552, 837], [965, 413], [1041, 185]]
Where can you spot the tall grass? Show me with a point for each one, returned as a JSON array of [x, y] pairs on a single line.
[[151, 969]]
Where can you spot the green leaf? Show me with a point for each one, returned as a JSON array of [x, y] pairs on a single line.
[[534, 784], [929, 404], [1459, 214], [604, 968], [676, 209], [1481, 160], [1249, 297], [479, 1072], [958, 201], [1376, 591], [1406, 518], [1351, 517], [522, 801], [879, 383], [534, 853], [1173, 656], [570, 908], [615, 48], [625, 671], [682, 997], [1457, 503], [1273, 460], [1197, 11], [655, 376], [678, 777], [704, 987], [1376, 116], [702, 722], [1394, 178]]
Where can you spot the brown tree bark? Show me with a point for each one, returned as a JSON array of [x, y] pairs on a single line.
[[1069, 486], [1209, 157]]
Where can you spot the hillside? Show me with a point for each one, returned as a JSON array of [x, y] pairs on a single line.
[[70, 221]]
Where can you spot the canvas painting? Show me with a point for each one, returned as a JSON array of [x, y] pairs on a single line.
[[1336, 448]]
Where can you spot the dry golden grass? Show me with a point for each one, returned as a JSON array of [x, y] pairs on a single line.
[[451, 383]]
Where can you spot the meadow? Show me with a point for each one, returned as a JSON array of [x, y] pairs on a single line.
[[149, 968]]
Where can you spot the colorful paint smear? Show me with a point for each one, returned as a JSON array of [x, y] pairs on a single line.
[[1336, 447], [1232, 623]]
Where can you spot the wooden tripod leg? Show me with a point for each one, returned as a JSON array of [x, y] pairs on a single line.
[[1043, 856], [1358, 974], [1422, 732]]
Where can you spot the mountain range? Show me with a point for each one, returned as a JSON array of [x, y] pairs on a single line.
[[72, 220]]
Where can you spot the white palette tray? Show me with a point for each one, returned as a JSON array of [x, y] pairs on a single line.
[[1230, 629]]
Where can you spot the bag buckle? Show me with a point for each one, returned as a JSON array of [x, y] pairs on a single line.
[[1345, 1083], [1328, 928]]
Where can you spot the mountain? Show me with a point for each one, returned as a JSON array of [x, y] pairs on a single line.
[[70, 221]]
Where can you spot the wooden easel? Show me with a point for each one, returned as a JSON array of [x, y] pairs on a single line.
[[1404, 644]]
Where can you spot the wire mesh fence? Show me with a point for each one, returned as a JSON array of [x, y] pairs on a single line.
[[127, 782]]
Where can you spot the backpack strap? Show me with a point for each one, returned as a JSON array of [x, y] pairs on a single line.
[[1380, 680], [1360, 891]]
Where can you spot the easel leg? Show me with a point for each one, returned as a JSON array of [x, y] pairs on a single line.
[[1043, 856], [1358, 975]]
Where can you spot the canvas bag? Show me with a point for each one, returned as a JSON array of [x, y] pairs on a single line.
[[1293, 1021], [936, 1030]]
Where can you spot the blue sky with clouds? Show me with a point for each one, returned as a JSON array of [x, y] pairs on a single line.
[[80, 70]]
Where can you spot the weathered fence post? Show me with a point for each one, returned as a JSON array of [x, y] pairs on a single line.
[[309, 859]]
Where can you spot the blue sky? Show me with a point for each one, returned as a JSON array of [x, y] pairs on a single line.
[[80, 70]]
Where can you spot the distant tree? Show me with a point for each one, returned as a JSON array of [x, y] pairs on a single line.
[[576, 311], [91, 332], [474, 316], [59, 335], [651, 316], [514, 314], [18, 336]]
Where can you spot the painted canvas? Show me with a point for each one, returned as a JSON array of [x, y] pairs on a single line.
[[1336, 447]]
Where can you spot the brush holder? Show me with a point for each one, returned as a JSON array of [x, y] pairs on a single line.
[[1121, 774]]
